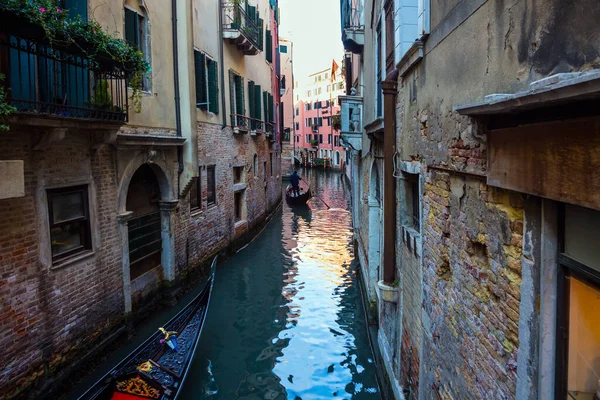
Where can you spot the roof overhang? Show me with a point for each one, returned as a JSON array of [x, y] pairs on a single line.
[[555, 90]]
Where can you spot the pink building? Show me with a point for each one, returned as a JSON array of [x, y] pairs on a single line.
[[315, 108]]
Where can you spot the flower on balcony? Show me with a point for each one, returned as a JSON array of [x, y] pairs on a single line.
[[103, 51], [314, 142]]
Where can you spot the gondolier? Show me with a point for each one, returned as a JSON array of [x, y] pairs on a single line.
[[295, 181]]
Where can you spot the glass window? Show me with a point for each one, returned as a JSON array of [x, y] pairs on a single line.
[[211, 190], [136, 33], [69, 222], [238, 174]]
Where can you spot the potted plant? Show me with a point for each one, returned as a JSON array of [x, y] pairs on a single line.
[[314, 142], [336, 122]]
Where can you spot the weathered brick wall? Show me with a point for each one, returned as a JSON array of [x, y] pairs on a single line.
[[472, 276], [201, 234], [49, 314]]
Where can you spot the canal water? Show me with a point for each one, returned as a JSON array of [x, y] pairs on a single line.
[[286, 319]]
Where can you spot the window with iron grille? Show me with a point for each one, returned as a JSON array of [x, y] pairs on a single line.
[[211, 189], [68, 213], [412, 201]]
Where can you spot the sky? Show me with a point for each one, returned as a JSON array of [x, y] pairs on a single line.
[[314, 28]]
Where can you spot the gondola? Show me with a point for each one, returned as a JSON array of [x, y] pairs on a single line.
[[158, 367], [297, 200]]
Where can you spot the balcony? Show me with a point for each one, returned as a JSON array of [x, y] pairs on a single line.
[[351, 121], [50, 81], [353, 25], [270, 130], [242, 29], [240, 123]]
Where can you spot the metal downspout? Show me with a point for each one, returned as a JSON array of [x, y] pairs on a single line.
[[177, 98], [390, 89], [221, 57]]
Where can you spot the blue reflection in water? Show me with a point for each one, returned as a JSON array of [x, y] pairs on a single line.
[[285, 320]]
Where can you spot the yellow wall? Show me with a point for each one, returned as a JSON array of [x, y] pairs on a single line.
[[158, 105]]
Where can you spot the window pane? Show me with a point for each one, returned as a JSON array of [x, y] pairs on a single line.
[[67, 206], [66, 237], [194, 198], [584, 338], [582, 235], [210, 185]]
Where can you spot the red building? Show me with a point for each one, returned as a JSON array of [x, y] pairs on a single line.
[[317, 138]]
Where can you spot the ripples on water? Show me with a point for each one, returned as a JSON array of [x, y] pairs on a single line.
[[285, 320]]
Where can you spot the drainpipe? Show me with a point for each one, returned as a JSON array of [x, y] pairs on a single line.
[[222, 65], [177, 99], [390, 89]]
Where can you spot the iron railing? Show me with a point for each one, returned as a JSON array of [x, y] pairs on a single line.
[[235, 18], [46, 80], [256, 125], [240, 121]]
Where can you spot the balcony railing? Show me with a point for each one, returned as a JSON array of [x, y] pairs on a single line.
[[240, 123], [353, 25], [51, 81], [241, 29], [270, 129], [351, 120]]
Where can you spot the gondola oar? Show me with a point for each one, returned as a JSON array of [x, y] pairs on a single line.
[[327, 205]]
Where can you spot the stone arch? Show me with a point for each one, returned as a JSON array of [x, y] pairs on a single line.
[[374, 184], [159, 167]]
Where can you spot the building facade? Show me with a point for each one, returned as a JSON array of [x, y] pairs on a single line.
[[470, 141], [286, 52], [109, 194], [317, 137]]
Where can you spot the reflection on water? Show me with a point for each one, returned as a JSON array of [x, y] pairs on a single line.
[[285, 320]]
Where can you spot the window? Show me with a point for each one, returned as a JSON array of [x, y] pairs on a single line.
[[238, 175], [195, 195], [207, 86], [283, 49], [578, 349], [69, 222], [327, 103], [329, 139], [328, 88], [239, 205], [297, 111], [211, 190], [269, 46], [320, 121], [411, 201], [309, 93], [320, 138], [136, 34], [269, 107], [236, 99], [319, 90], [389, 36], [255, 106], [326, 75], [336, 140], [307, 139], [297, 126]]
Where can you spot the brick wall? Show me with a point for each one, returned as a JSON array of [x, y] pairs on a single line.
[[49, 314], [471, 277]]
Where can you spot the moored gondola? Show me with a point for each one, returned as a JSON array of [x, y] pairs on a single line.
[[297, 199], [158, 367]]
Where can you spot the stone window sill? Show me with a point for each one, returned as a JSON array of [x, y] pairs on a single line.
[[196, 213], [411, 239], [72, 260]]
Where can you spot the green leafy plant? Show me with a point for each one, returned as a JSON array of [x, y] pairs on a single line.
[[336, 122], [5, 108], [102, 50], [314, 142]]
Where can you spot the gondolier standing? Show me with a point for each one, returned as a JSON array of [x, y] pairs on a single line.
[[295, 181]]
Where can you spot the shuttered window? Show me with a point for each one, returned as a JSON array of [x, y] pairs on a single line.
[[236, 99], [261, 34], [257, 105], [207, 84], [252, 104], [132, 29], [271, 110], [269, 47]]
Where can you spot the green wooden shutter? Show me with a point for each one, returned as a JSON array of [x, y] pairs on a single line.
[[132, 28], [251, 103], [213, 87], [271, 105], [261, 33], [258, 108], [266, 103], [232, 97], [200, 70], [269, 47], [239, 95]]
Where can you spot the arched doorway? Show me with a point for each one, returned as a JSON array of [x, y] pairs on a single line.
[[144, 226], [375, 223], [337, 157]]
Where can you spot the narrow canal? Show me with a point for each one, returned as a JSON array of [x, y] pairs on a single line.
[[286, 319]]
